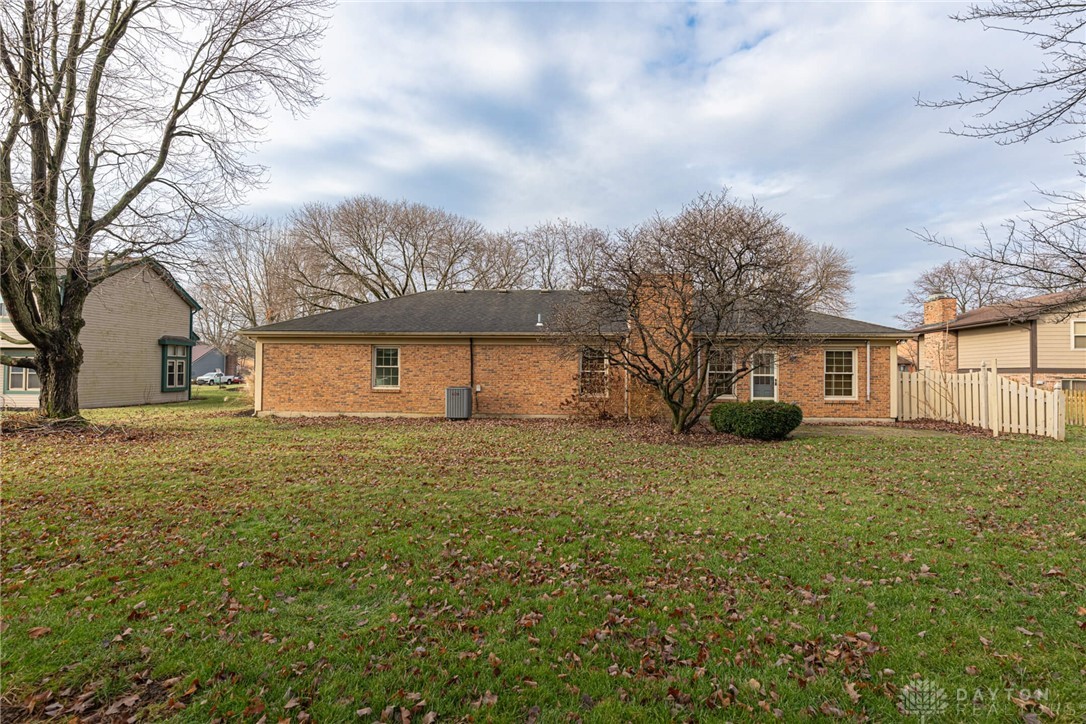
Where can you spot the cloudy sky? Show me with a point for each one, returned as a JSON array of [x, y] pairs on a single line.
[[513, 114]]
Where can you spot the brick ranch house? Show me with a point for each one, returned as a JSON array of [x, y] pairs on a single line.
[[396, 357]]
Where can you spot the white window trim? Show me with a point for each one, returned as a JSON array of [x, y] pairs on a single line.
[[855, 373], [373, 368], [176, 356], [1073, 334], [606, 377], [25, 372], [776, 375], [708, 355]]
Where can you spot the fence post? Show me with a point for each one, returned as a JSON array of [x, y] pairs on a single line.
[[1060, 428], [994, 403], [982, 394]]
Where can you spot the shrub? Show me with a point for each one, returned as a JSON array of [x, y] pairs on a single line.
[[758, 420]]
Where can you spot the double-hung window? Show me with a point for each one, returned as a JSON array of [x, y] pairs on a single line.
[[386, 367], [175, 363], [1078, 334], [21, 379], [720, 373], [840, 373], [593, 377], [1073, 385]]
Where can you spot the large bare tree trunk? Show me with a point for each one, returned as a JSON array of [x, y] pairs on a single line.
[[119, 133], [58, 370]]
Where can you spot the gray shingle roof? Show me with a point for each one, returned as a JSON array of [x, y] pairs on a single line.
[[491, 312], [439, 312]]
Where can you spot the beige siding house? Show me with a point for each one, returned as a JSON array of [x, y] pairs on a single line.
[[136, 344], [1039, 340]]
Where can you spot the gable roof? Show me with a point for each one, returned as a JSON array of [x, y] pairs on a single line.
[[198, 351], [494, 313], [100, 272], [1018, 310]]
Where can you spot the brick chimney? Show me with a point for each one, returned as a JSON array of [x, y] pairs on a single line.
[[939, 347], [940, 308]]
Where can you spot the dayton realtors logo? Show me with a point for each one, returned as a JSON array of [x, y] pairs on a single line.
[[928, 701], [924, 699]]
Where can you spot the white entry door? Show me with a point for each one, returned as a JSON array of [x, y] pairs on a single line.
[[763, 379]]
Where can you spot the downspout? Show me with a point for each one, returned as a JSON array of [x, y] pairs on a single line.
[[869, 370], [471, 369], [626, 393], [1032, 350], [188, 360]]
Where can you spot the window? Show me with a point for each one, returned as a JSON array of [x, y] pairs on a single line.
[[719, 373], [840, 373], [386, 367], [593, 378], [763, 376], [22, 379], [1073, 385], [175, 362], [1078, 334]]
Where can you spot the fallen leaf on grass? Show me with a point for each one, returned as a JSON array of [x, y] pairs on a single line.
[[38, 631], [830, 709]]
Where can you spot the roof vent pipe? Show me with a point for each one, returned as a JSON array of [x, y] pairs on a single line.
[[539, 320]]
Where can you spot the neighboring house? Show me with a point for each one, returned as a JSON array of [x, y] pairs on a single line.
[[1040, 340], [206, 358], [396, 357], [907, 354], [136, 343]]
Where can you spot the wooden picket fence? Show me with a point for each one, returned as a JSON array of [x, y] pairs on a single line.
[[1076, 407], [982, 399]]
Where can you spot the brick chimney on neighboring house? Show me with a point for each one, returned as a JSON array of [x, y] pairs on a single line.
[[939, 348]]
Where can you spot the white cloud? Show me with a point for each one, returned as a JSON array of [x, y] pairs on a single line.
[[606, 113]]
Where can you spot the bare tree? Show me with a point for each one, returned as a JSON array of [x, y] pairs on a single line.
[[718, 273], [499, 261], [563, 254], [367, 248], [243, 274], [973, 282], [1045, 247], [126, 122]]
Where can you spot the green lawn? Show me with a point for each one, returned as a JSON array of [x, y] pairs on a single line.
[[189, 561]]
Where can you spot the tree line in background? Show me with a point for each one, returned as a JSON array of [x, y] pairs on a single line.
[[364, 249]]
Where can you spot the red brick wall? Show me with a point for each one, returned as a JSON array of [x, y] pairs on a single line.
[[525, 379], [516, 379], [338, 378], [939, 352], [801, 380], [1045, 380], [521, 379]]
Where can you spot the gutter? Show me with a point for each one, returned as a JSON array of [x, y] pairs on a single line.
[[256, 334], [869, 370]]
